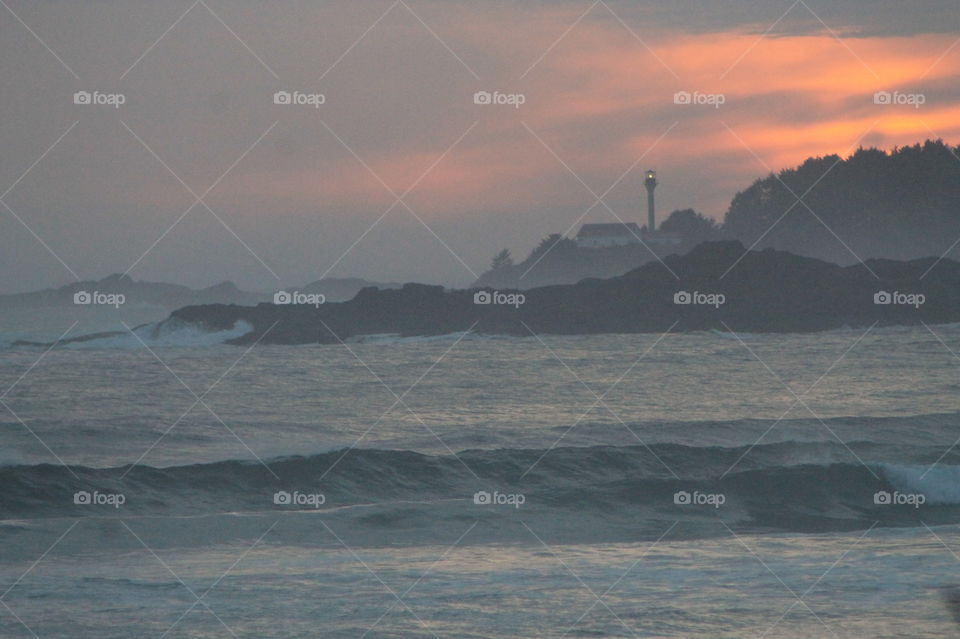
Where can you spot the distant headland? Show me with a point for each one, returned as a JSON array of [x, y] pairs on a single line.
[[898, 204], [716, 286]]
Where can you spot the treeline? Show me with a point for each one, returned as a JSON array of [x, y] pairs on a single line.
[[901, 205], [558, 259]]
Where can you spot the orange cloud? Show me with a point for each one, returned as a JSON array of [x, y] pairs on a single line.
[[600, 99]]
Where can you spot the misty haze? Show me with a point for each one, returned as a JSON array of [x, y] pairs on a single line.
[[427, 318]]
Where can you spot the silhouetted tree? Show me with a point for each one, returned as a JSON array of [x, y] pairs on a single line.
[[902, 204], [694, 227], [554, 242], [501, 260]]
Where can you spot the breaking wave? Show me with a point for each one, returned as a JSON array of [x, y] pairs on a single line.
[[168, 333], [762, 487]]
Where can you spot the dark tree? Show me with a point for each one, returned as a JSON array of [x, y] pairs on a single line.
[[694, 227], [554, 242], [903, 204], [501, 260]]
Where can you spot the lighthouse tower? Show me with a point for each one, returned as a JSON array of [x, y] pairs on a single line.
[[651, 184]]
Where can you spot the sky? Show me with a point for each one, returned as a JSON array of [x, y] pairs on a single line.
[[389, 169]]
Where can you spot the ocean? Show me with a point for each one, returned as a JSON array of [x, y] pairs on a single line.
[[165, 484]]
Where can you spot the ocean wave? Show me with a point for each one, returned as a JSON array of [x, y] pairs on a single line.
[[397, 338], [783, 486], [940, 484], [168, 333]]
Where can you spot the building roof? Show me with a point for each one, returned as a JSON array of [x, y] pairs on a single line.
[[628, 229], [666, 235]]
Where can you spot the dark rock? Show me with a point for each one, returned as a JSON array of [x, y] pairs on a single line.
[[763, 291]]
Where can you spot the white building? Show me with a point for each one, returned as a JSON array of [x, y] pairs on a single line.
[[604, 235]]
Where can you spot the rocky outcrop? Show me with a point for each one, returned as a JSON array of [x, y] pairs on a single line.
[[715, 286]]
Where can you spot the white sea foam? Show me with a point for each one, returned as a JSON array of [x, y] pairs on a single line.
[[169, 333], [396, 338], [940, 484]]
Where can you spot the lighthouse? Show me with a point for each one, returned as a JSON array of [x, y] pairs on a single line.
[[651, 184]]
